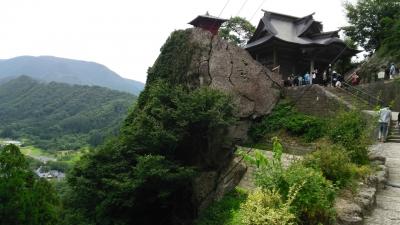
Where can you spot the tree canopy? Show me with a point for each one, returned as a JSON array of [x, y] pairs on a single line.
[[237, 30], [370, 22], [25, 199]]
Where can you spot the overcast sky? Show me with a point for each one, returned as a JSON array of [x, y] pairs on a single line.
[[126, 35]]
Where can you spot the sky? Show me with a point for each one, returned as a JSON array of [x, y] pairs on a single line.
[[126, 35]]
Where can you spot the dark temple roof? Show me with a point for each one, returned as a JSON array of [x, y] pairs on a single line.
[[207, 18], [301, 31]]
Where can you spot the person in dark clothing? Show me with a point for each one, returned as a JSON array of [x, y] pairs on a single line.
[[398, 120]]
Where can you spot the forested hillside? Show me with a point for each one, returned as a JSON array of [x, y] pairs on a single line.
[[50, 68], [57, 116]]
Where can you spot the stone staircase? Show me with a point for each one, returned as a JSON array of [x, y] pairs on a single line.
[[394, 133], [349, 98]]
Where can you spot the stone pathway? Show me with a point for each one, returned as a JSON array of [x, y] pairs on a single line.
[[387, 211]]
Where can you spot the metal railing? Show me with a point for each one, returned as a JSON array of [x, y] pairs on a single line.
[[363, 95]]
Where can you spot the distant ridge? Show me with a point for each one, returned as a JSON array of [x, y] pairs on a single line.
[[50, 68], [59, 116]]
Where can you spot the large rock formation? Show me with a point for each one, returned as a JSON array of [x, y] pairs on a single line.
[[229, 68], [255, 91]]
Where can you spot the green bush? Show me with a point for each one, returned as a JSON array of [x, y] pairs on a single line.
[[335, 164], [266, 207], [284, 116], [314, 202], [225, 211], [349, 129]]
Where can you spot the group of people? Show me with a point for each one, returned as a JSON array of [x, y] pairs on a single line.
[[306, 79], [326, 78]]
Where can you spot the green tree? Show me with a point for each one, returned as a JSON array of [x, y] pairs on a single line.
[[391, 44], [25, 199], [146, 172], [345, 64], [367, 21], [237, 30]]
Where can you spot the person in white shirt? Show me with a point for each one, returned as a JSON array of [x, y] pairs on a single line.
[[384, 119]]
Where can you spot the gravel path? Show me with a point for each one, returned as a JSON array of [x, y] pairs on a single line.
[[387, 211]]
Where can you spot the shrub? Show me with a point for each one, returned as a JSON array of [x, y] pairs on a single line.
[[334, 162], [284, 116], [266, 207], [309, 127], [314, 202], [349, 129], [225, 211]]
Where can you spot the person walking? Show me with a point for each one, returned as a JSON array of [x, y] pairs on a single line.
[[384, 119], [398, 120], [392, 71]]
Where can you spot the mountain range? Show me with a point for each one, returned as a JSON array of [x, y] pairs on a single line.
[[62, 70], [56, 116]]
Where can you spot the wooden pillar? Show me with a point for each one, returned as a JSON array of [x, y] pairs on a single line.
[[275, 56], [312, 65]]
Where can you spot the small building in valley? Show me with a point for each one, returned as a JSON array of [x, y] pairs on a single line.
[[295, 45]]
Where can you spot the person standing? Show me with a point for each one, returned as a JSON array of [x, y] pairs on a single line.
[[355, 79], [306, 78], [392, 71], [384, 119], [333, 78], [314, 77], [300, 79], [398, 120]]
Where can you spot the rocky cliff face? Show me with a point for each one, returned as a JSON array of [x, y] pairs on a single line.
[[227, 67], [255, 91]]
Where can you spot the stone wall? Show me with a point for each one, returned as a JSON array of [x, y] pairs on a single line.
[[313, 100], [388, 91]]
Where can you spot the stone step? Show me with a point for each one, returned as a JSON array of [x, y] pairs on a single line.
[[393, 137]]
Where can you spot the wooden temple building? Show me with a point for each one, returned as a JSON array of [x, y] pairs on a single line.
[[208, 22], [296, 45]]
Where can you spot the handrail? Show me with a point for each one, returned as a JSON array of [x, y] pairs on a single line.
[[371, 100]]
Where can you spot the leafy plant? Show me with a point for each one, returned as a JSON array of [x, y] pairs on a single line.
[[334, 162], [284, 116], [226, 211], [267, 207], [349, 129], [313, 202]]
